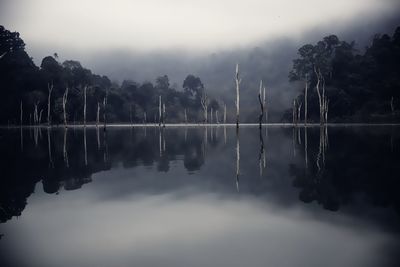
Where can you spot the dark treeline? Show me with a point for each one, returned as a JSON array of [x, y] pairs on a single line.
[[353, 86], [343, 85], [25, 89]]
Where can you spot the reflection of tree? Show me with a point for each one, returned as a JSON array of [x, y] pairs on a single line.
[[71, 169], [358, 162]]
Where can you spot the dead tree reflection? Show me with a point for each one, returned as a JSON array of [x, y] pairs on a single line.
[[51, 163], [261, 157], [85, 146], [237, 159], [65, 152]]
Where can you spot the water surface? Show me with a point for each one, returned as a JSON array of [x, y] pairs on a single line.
[[200, 196]]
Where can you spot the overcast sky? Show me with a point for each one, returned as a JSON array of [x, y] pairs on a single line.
[[152, 25]]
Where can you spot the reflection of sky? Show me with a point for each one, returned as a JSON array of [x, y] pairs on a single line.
[[141, 217], [75, 228]]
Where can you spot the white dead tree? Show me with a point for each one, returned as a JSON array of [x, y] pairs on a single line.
[[40, 116], [305, 100], [105, 110], [35, 113], [224, 113], [299, 104], [64, 103], [265, 104], [145, 117], [159, 110], [261, 100], [216, 117], [98, 114], [323, 100], [211, 115], [294, 112], [164, 114], [204, 103], [185, 116], [84, 105], [50, 89], [237, 102]]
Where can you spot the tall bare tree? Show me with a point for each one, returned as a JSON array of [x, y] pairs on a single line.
[[98, 114], [64, 103], [261, 99], [204, 101], [306, 99], [159, 110], [84, 104], [237, 102], [50, 89], [224, 113]]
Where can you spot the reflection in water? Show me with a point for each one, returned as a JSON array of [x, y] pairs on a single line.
[[237, 158], [65, 152], [51, 163], [157, 189]]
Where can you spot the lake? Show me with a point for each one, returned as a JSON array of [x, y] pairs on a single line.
[[200, 196]]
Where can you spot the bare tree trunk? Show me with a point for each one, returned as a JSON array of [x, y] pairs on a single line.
[[260, 117], [237, 102], [299, 112], [159, 110], [305, 101], [98, 114], [216, 116], [326, 108], [320, 97], [211, 116], [145, 117], [185, 115], [265, 103], [40, 116], [294, 111], [21, 112], [50, 89], [36, 114], [84, 105], [64, 100], [204, 104], [224, 113], [105, 111], [164, 115]]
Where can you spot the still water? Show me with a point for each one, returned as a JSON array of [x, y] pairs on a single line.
[[200, 196]]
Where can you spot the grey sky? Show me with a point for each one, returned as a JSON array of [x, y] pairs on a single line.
[[148, 25]]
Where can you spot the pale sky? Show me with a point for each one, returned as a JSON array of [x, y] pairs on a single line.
[[148, 25]]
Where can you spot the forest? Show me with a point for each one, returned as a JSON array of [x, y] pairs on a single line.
[[338, 84]]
